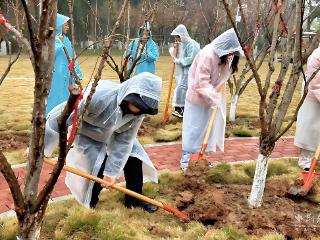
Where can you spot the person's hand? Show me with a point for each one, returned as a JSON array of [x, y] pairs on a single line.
[[176, 44], [176, 60], [141, 44], [60, 37], [110, 181]]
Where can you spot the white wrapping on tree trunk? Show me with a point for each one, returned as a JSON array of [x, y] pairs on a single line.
[[233, 107], [259, 182]]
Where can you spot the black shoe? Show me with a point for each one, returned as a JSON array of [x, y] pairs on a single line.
[[306, 169], [144, 205]]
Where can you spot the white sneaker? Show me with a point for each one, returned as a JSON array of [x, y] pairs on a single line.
[[177, 114], [184, 169], [211, 165]]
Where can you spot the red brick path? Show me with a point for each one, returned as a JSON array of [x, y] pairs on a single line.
[[165, 157]]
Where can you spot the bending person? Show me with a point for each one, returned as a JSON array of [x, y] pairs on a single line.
[[105, 144], [209, 72]]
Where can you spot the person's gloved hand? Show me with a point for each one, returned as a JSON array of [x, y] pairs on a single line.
[[176, 60], [110, 181], [60, 37]]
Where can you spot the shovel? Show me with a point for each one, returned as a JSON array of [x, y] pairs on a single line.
[[199, 155], [164, 206], [306, 178], [165, 117]]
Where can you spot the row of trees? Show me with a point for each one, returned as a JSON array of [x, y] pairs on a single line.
[[93, 18]]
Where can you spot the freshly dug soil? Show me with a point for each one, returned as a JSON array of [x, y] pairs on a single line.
[[12, 142], [226, 205]]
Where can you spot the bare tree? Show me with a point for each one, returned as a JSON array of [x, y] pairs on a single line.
[[259, 27], [30, 205], [272, 109]]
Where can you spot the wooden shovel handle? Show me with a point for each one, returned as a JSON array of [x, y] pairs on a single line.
[[210, 125], [172, 68], [317, 154], [101, 181]]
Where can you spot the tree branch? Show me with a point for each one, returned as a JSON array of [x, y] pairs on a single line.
[[44, 58], [17, 36], [44, 195], [294, 119], [10, 63], [13, 183], [295, 73], [248, 57], [254, 71], [104, 57], [33, 39]]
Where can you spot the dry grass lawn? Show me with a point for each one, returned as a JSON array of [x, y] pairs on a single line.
[[111, 220], [16, 98]]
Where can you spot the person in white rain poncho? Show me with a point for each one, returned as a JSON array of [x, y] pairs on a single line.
[[105, 143], [210, 70], [307, 136], [187, 50]]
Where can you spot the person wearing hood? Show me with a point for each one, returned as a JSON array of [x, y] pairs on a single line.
[[187, 50], [209, 72], [150, 52], [60, 80], [105, 144], [307, 136]]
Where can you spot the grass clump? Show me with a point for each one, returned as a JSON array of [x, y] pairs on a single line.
[[226, 234], [241, 132], [8, 229], [274, 169], [225, 173], [16, 156], [162, 135]]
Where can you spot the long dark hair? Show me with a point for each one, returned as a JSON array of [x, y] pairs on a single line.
[[234, 64]]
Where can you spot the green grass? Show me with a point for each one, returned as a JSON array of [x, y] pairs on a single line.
[[111, 220], [228, 174], [16, 156], [240, 132], [275, 168], [16, 98]]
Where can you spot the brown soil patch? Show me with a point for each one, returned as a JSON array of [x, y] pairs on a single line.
[[222, 205], [10, 142], [146, 129]]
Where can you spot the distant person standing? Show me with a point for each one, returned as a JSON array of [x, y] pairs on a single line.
[[150, 53], [59, 91], [307, 136], [187, 50]]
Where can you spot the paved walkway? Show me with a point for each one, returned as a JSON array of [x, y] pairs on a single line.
[[164, 157]]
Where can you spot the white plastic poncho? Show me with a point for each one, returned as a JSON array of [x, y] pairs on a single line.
[[105, 131], [226, 43], [206, 76], [187, 51]]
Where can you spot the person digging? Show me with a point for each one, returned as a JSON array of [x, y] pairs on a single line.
[[105, 144]]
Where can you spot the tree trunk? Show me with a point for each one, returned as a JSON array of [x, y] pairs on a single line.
[[259, 181], [233, 107], [30, 226]]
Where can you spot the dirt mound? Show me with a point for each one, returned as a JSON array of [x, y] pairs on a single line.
[[11, 142], [222, 205]]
